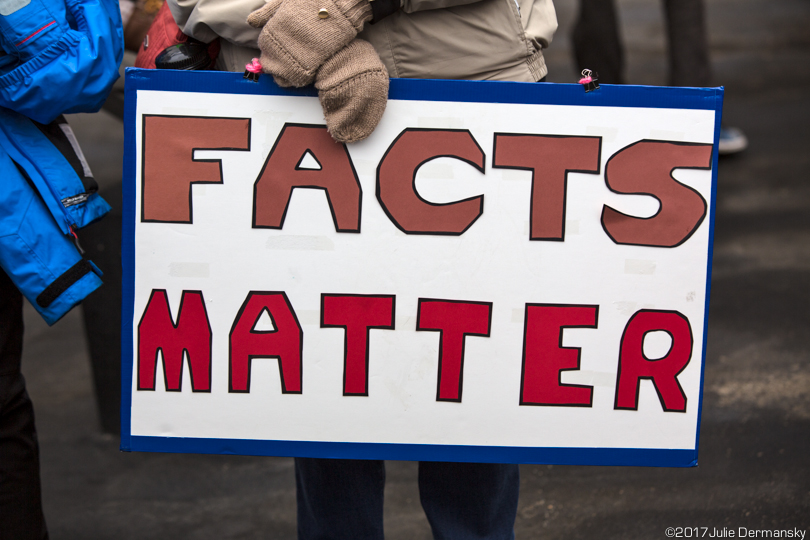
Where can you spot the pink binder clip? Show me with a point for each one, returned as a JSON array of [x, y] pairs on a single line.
[[253, 70], [589, 80]]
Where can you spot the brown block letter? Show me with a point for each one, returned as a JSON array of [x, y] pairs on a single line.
[[396, 182], [645, 168], [169, 167], [282, 173], [550, 158]]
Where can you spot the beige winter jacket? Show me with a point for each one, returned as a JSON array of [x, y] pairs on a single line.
[[425, 39]]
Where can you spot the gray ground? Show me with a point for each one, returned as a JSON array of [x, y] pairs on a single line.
[[755, 437]]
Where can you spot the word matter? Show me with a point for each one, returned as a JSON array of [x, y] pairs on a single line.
[[189, 335]]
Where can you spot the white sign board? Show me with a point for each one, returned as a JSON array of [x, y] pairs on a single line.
[[503, 272]]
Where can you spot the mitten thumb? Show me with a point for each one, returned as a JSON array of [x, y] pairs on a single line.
[[259, 18], [353, 89]]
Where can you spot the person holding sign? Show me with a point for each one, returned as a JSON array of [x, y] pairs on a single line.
[[348, 49]]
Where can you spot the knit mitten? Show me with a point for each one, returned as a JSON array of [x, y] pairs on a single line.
[[298, 36], [353, 89]]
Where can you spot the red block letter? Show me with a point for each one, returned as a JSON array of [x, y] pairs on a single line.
[[550, 158], [285, 342], [282, 173], [357, 314], [396, 182], [645, 168], [544, 357], [633, 365], [454, 320], [169, 167], [191, 335]]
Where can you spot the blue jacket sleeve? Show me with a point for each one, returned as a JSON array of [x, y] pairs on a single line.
[[60, 56], [41, 261]]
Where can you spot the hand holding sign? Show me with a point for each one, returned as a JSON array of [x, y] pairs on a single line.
[[302, 41]]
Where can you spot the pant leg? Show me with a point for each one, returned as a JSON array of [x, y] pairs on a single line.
[[688, 43], [470, 500], [596, 40], [339, 499], [21, 515]]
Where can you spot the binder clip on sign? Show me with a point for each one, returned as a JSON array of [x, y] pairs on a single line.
[[590, 80], [253, 70]]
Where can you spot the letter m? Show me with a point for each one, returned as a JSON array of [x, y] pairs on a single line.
[[190, 337]]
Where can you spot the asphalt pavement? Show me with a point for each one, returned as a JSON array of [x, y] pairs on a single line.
[[754, 462]]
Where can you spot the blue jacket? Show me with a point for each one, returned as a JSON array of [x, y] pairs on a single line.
[[59, 56]]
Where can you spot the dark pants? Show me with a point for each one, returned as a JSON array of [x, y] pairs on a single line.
[[598, 45], [20, 499], [343, 499]]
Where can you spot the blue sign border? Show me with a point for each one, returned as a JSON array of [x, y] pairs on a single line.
[[401, 89]]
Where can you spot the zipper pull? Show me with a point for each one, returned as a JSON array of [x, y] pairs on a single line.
[[76, 239]]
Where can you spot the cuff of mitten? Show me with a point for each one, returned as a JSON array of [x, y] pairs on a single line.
[[358, 12], [356, 58]]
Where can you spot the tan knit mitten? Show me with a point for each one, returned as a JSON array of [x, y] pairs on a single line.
[[298, 36], [353, 89]]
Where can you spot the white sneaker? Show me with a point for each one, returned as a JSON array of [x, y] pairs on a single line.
[[732, 140]]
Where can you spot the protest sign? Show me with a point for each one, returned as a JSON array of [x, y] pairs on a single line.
[[504, 272]]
